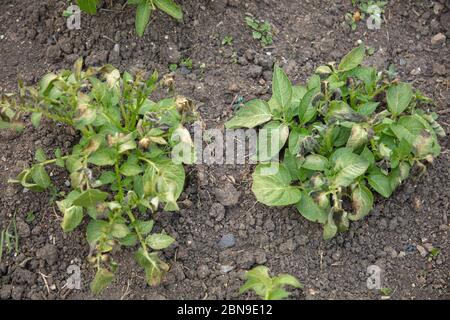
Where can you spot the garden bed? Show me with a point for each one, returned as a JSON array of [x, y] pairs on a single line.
[[217, 200]]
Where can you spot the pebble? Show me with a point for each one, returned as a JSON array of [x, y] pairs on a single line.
[[423, 252], [227, 241], [22, 228], [203, 271], [49, 253], [438, 39], [217, 211], [254, 71], [439, 69], [227, 195], [226, 268]]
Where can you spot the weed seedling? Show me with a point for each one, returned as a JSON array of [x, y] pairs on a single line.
[[227, 41], [266, 287], [261, 30]]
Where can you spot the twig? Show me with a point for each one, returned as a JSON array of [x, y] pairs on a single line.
[[443, 111], [45, 281]]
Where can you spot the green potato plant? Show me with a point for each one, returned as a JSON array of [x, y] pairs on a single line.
[[347, 132], [266, 287], [125, 165], [144, 9]]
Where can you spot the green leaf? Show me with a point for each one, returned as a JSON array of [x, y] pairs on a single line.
[[398, 97], [271, 185], [144, 227], [90, 198], [36, 119], [380, 183], [72, 218], [315, 162], [271, 139], [158, 241], [154, 267], [169, 7], [306, 110], [169, 179], [310, 209], [40, 176], [102, 157], [368, 108], [281, 88], [287, 279], [278, 294], [352, 59], [119, 230], [362, 201], [358, 137], [40, 155], [330, 229], [130, 169], [250, 115], [143, 12], [95, 229], [46, 83], [348, 166], [102, 279]]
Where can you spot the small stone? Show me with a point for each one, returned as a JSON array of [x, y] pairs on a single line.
[[233, 87], [250, 54], [428, 246], [49, 253], [382, 224], [217, 211], [336, 255], [242, 61], [171, 53], [226, 268], [269, 225], [22, 228], [423, 252], [260, 257], [439, 69], [254, 71], [203, 271], [53, 53], [227, 241], [246, 260], [391, 251], [438, 39], [17, 293], [393, 224], [5, 292], [227, 195], [288, 246], [401, 254]]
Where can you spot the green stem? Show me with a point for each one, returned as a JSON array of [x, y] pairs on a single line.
[[139, 235]]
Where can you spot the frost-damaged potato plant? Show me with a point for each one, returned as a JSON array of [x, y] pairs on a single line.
[[266, 287], [125, 166], [348, 132], [144, 9]]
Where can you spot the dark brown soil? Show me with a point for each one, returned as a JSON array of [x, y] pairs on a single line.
[[34, 40]]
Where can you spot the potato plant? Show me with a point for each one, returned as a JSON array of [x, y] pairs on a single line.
[[349, 131], [266, 287], [144, 9], [123, 168]]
